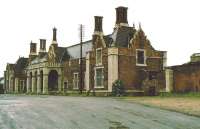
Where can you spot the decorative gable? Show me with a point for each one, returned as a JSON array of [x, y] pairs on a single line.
[[51, 54], [140, 41], [98, 41]]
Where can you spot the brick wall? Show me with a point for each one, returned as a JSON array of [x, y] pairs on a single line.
[[186, 78], [70, 67], [98, 43], [132, 74]]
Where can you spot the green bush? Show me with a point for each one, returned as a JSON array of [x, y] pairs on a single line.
[[118, 88]]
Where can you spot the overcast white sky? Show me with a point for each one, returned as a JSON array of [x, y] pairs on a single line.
[[171, 25]]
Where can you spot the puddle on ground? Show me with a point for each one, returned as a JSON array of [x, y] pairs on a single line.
[[117, 125]]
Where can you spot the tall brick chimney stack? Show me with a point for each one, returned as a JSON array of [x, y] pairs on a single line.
[[33, 51], [121, 16], [33, 48], [98, 25], [42, 45], [54, 36]]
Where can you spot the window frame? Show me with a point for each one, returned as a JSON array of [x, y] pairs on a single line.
[[137, 63], [95, 78], [99, 63], [77, 86]]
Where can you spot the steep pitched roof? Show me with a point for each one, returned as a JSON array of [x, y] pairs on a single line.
[[74, 51], [108, 40], [61, 54], [20, 64], [122, 36], [40, 58]]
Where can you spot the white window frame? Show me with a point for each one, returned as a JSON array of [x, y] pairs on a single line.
[[100, 63], [95, 81], [77, 87], [138, 64]]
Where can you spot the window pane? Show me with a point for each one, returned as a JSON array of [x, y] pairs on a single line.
[[98, 56], [99, 77], [76, 80], [140, 57]]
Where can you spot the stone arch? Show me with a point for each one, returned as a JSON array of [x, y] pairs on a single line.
[[53, 80], [41, 80]]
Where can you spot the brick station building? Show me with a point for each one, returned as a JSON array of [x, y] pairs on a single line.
[[126, 54]]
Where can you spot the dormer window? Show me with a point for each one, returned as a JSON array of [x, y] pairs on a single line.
[[99, 56], [140, 57]]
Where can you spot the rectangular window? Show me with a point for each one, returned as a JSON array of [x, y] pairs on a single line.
[[76, 81], [140, 57], [99, 56], [99, 78]]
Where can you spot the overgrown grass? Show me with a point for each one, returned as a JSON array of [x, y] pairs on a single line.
[[186, 103], [190, 94]]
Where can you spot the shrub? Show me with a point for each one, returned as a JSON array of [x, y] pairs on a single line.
[[118, 88]]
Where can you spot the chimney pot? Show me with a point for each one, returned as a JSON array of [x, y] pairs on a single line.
[[54, 34], [42, 45], [121, 15], [33, 48], [98, 24]]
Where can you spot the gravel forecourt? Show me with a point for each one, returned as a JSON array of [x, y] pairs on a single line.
[[64, 112]]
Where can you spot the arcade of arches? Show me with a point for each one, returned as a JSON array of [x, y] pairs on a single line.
[[43, 81]]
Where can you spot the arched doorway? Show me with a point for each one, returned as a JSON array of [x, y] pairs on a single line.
[[53, 80]]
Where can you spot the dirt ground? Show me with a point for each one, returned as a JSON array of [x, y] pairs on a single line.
[[187, 105]]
